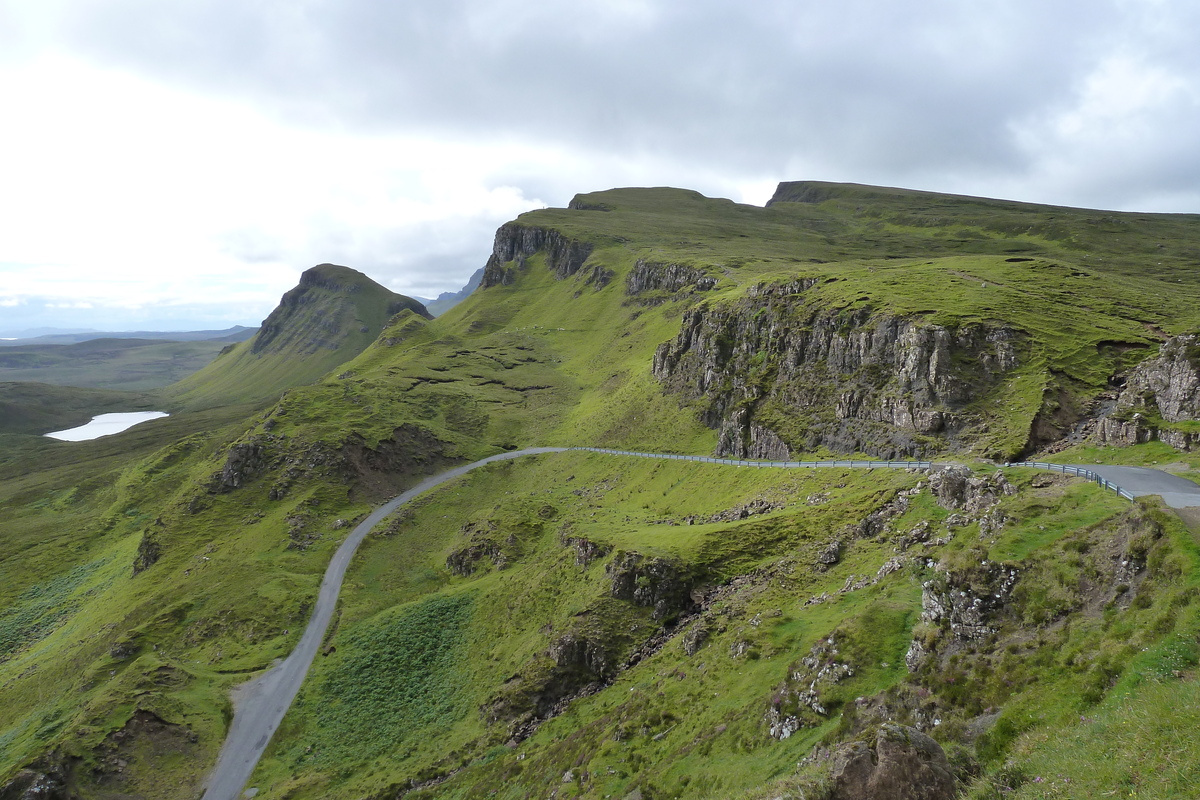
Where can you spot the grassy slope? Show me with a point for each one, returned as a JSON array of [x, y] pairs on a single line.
[[531, 363]]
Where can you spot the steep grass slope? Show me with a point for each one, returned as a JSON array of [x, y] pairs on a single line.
[[587, 626]]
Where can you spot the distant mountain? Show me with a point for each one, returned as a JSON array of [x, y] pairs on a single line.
[[29, 333], [332, 315], [448, 300], [237, 333]]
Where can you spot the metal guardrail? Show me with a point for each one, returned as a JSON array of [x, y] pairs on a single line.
[[857, 464], [853, 463], [1067, 469]]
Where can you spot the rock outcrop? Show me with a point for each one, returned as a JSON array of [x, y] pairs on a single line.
[[515, 243], [244, 462], [45, 780], [658, 583], [1166, 388], [778, 372], [647, 276], [957, 488], [798, 703], [905, 764]]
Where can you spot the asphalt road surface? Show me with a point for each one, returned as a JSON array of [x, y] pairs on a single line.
[[1176, 492], [261, 703]]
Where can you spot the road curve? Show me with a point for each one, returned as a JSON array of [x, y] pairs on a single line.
[[262, 702]]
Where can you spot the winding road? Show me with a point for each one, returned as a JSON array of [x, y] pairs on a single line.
[[261, 703]]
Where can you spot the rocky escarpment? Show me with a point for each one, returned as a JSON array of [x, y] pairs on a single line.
[[650, 276], [779, 372], [602, 641], [47, 779], [515, 243], [1159, 391]]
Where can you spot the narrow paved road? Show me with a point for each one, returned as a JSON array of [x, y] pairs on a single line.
[[1176, 492], [262, 702]]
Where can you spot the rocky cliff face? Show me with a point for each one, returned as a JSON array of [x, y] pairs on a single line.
[[514, 244], [1165, 387], [779, 373], [648, 276]]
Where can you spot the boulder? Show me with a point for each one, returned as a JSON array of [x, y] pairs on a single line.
[[904, 764]]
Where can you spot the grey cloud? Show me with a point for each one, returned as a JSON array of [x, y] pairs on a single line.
[[863, 85], [424, 259]]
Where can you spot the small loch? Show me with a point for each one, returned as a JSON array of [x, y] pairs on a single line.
[[105, 425]]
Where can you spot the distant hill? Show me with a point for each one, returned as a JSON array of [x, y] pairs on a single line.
[[448, 300], [122, 364], [237, 333], [332, 315]]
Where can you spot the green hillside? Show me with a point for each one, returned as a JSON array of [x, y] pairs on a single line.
[[329, 317], [587, 625]]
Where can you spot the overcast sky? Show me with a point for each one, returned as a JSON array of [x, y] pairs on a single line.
[[177, 164]]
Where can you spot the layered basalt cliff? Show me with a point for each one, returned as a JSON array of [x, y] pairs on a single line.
[[1158, 392], [779, 372], [514, 243]]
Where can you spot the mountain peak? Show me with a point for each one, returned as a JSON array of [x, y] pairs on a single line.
[[329, 304]]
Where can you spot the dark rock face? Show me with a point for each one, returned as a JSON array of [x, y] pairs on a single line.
[[652, 276], [592, 658], [391, 464], [44, 780], [905, 764], [654, 582], [466, 561], [586, 551], [515, 242], [246, 460], [780, 372], [577, 662], [149, 551]]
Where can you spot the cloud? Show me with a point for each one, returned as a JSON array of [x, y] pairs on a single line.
[[226, 145]]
